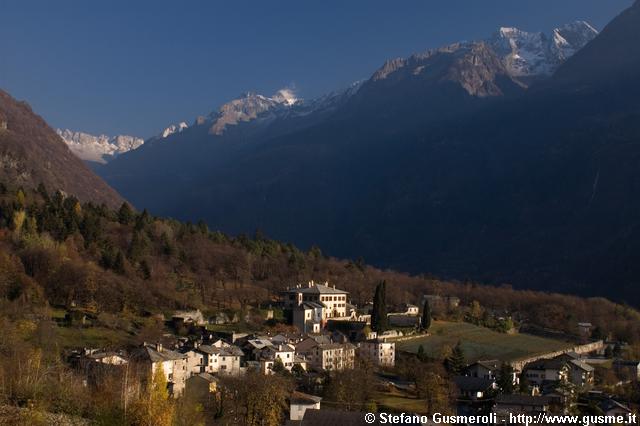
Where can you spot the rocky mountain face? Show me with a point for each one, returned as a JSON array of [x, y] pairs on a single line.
[[250, 107], [529, 55], [32, 153], [464, 161], [172, 129]]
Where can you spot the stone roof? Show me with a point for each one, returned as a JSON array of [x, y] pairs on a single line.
[[546, 364], [107, 354], [317, 289], [207, 376], [312, 305], [208, 349], [582, 365], [158, 355], [329, 346], [260, 343], [489, 364], [303, 398], [231, 351]]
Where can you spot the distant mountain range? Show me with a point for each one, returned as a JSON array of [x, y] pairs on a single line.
[[99, 149], [525, 56]]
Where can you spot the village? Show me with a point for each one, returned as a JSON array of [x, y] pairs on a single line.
[[327, 335]]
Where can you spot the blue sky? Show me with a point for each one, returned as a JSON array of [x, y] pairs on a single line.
[[136, 66]]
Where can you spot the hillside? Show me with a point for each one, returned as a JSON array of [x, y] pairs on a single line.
[[55, 251], [32, 153]]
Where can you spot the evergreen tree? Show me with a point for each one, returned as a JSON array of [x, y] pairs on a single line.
[[145, 268], [42, 190], [379, 321], [125, 214], [278, 367], [455, 363], [90, 228], [118, 264], [143, 220], [505, 379], [138, 246], [203, 227], [167, 245], [426, 315], [297, 370]]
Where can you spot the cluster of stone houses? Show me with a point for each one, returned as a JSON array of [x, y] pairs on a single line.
[[211, 357]]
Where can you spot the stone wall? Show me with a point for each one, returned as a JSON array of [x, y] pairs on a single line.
[[580, 349]]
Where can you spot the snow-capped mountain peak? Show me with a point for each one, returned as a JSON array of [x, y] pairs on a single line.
[[249, 107], [533, 54], [570, 38], [174, 128], [286, 96], [101, 148]]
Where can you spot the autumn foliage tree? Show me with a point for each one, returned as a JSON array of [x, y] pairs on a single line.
[[154, 406]]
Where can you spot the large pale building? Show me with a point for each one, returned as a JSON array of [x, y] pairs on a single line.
[[313, 304], [378, 351], [327, 356]]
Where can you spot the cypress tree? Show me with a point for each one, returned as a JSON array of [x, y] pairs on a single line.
[[379, 313], [426, 315]]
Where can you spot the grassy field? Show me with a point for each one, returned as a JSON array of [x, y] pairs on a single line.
[[92, 337], [397, 402], [480, 343]]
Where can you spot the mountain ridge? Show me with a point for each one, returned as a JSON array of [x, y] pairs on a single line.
[[32, 153]]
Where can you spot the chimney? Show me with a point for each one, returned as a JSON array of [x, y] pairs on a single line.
[[159, 347]]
